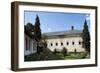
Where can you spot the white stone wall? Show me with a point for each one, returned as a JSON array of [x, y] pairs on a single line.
[[33, 45], [69, 47]]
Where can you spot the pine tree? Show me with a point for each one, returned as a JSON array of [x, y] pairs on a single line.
[[37, 29], [86, 37]]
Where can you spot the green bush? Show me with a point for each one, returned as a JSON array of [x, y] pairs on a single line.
[[55, 51], [64, 51], [75, 51]]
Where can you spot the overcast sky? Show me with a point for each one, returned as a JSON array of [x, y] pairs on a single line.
[[57, 21]]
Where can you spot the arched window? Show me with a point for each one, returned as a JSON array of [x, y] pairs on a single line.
[[26, 43], [29, 44], [67, 43], [73, 43], [61, 43], [56, 44], [51, 44], [79, 42]]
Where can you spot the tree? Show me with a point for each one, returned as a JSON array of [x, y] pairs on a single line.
[[37, 34], [55, 51], [44, 40], [86, 37], [37, 29], [29, 29], [30, 26], [75, 51], [64, 51]]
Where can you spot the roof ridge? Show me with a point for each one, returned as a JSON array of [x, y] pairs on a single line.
[[62, 31]]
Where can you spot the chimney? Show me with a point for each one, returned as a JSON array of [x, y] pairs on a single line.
[[72, 27]]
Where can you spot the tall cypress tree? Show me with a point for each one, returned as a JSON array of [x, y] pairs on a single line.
[[37, 29], [86, 37]]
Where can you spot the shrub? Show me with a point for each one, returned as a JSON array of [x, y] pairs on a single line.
[[75, 51], [55, 51], [64, 51]]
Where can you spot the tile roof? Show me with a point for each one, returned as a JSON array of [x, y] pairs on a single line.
[[69, 33]]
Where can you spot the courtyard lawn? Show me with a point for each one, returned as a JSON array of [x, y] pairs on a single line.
[[72, 55], [49, 55], [57, 56]]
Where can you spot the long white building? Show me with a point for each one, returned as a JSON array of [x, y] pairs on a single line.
[[69, 39]]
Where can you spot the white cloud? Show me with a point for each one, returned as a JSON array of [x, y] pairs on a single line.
[[49, 29], [87, 17]]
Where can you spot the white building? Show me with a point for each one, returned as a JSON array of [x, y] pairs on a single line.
[[71, 40], [30, 45]]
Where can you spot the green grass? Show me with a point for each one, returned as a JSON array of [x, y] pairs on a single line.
[[45, 55], [48, 55], [72, 55]]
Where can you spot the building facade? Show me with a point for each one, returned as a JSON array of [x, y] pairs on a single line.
[[30, 45], [71, 40]]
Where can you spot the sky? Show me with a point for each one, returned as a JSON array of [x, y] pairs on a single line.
[[57, 21]]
